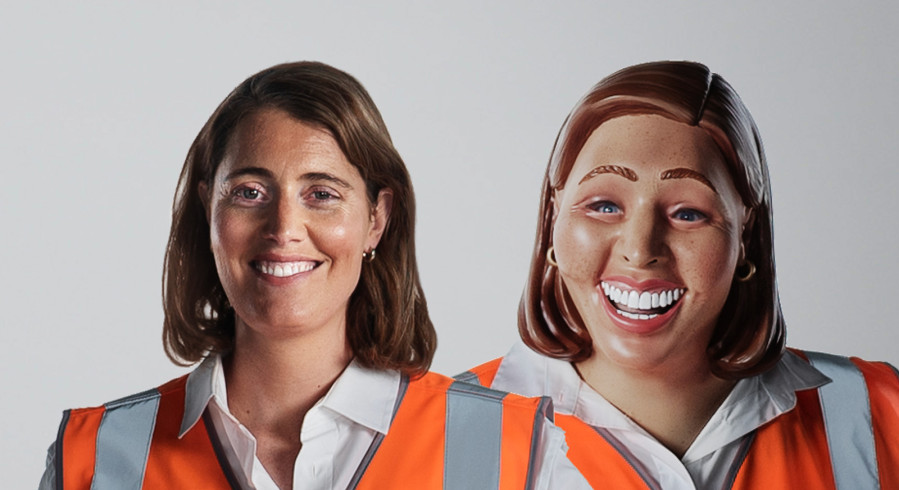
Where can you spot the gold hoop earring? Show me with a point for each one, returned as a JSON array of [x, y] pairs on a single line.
[[749, 273], [369, 256], [551, 258]]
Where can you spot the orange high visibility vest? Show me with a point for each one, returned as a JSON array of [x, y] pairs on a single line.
[[843, 435], [444, 434]]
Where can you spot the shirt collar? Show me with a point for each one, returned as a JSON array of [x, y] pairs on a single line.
[[365, 396]]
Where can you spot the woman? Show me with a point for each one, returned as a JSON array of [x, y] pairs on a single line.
[[290, 273], [651, 313]]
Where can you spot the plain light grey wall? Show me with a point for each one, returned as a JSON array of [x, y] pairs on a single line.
[[101, 101]]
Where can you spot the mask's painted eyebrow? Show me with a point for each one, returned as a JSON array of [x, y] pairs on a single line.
[[686, 173], [610, 169]]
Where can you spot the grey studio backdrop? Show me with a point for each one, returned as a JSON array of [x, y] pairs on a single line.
[[102, 99]]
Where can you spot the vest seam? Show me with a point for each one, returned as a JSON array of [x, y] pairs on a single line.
[[60, 435], [219, 451], [737, 464], [544, 409]]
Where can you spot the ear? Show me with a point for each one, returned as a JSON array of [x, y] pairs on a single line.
[[380, 216], [203, 190]]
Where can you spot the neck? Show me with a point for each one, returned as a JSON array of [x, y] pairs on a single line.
[[672, 405], [272, 378], [272, 384]]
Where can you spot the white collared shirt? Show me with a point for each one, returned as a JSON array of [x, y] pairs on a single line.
[[753, 402], [336, 433]]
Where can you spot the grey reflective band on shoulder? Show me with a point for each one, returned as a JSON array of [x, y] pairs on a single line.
[[628, 456], [474, 422], [847, 422], [468, 377], [123, 441], [544, 413]]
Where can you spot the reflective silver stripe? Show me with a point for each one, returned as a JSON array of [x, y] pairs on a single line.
[[123, 442], [544, 413], [628, 456], [847, 422], [468, 377], [474, 421]]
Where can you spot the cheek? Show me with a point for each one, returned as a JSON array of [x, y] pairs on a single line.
[[580, 248]]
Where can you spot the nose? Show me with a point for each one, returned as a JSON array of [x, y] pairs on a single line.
[[641, 242], [285, 221]]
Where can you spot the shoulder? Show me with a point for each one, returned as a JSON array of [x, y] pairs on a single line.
[[482, 374]]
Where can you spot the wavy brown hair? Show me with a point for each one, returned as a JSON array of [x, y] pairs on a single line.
[[388, 326], [750, 333]]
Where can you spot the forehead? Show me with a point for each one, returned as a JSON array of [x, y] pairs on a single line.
[[273, 138], [649, 145]]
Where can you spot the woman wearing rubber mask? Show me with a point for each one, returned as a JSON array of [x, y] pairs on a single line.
[[290, 274], [651, 312]]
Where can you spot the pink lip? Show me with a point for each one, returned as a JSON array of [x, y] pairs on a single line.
[[640, 327], [644, 285]]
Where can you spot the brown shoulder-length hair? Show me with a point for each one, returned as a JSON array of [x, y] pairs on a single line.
[[749, 336], [388, 326]]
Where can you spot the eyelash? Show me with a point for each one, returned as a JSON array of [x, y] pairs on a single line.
[[240, 193]]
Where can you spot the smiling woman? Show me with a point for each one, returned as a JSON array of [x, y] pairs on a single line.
[[651, 314], [290, 275]]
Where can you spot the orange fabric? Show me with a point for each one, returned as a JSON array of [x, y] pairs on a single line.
[[487, 371], [79, 447], [790, 451], [189, 462], [518, 417], [425, 401], [600, 463], [883, 394]]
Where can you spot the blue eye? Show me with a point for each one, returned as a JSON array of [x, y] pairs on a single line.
[[689, 215], [604, 207]]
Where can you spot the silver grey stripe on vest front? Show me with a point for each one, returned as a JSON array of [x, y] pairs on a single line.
[[123, 442], [628, 456], [474, 421], [847, 421]]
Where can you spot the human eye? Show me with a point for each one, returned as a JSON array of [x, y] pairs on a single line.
[[248, 193], [321, 196], [689, 215]]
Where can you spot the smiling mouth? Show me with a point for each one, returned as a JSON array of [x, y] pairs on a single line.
[[284, 269], [644, 305]]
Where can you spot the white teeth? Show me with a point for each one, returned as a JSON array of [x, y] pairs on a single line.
[[284, 269], [636, 316], [633, 300], [641, 300], [645, 301]]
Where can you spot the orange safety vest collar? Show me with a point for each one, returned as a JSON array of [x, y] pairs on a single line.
[[842, 435], [444, 434]]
